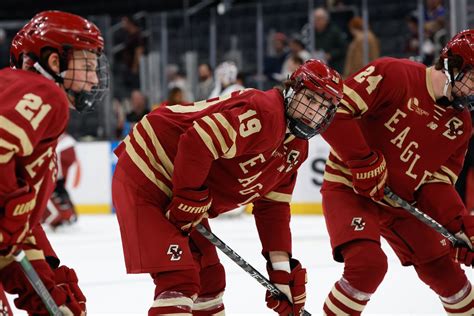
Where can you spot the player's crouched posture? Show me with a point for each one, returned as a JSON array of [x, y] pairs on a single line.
[[184, 163], [56, 65], [407, 126]]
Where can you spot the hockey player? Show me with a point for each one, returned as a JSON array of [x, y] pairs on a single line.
[[183, 163], [60, 210], [405, 126], [56, 59], [226, 79]]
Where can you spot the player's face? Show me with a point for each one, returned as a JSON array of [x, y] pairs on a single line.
[[465, 86], [82, 71], [309, 107]]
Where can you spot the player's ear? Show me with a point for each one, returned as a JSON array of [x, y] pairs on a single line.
[[54, 62]]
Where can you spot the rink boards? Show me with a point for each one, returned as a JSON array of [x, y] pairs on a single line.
[[89, 180]]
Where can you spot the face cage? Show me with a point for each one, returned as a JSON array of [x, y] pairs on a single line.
[[309, 122], [87, 101], [464, 81]]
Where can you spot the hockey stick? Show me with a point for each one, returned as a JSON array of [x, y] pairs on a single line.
[[36, 283], [425, 218], [242, 263]]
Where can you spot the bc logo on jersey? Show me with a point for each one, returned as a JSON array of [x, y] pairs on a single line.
[[358, 223], [175, 251]]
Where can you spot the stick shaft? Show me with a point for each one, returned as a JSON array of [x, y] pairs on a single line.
[[425, 218], [36, 283], [229, 252]]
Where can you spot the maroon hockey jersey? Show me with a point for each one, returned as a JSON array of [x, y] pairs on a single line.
[[33, 113], [392, 102], [236, 145]]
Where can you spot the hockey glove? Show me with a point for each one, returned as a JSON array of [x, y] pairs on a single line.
[[14, 223], [187, 209], [292, 284], [15, 282], [463, 228], [369, 175], [67, 279]]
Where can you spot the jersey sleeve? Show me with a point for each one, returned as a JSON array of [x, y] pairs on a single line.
[[226, 134], [272, 217], [438, 196], [35, 119], [364, 93]]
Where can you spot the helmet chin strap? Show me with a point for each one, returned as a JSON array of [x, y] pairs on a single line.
[[449, 78], [288, 95], [42, 71]]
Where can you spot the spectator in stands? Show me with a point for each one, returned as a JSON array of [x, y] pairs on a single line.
[[355, 51], [278, 52], [175, 96], [138, 109], [176, 78], [330, 41], [412, 42], [297, 52], [128, 59], [206, 82], [434, 10]]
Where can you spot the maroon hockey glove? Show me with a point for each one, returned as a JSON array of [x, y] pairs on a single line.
[[67, 279], [292, 284], [187, 209], [14, 220], [15, 282], [369, 175], [463, 228]]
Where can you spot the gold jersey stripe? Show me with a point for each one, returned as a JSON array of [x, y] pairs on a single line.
[[174, 301], [450, 174], [19, 133], [338, 167], [216, 301], [346, 300], [278, 197], [439, 177], [343, 110], [289, 139], [138, 161], [151, 158], [166, 161], [463, 303], [11, 150], [346, 106], [429, 83], [333, 308], [220, 138], [206, 138], [338, 179], [332, 151], [231, 132], [356, 98]]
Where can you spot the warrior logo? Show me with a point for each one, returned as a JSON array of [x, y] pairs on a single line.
[[358, 223], [175, 252]]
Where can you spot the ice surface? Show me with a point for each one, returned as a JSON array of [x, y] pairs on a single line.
[[93, 248]]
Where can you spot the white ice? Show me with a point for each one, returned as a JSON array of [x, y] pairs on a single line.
[[93, 248]]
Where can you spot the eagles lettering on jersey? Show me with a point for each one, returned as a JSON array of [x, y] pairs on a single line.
[[33, 113], [235, 145], [421, 141]]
